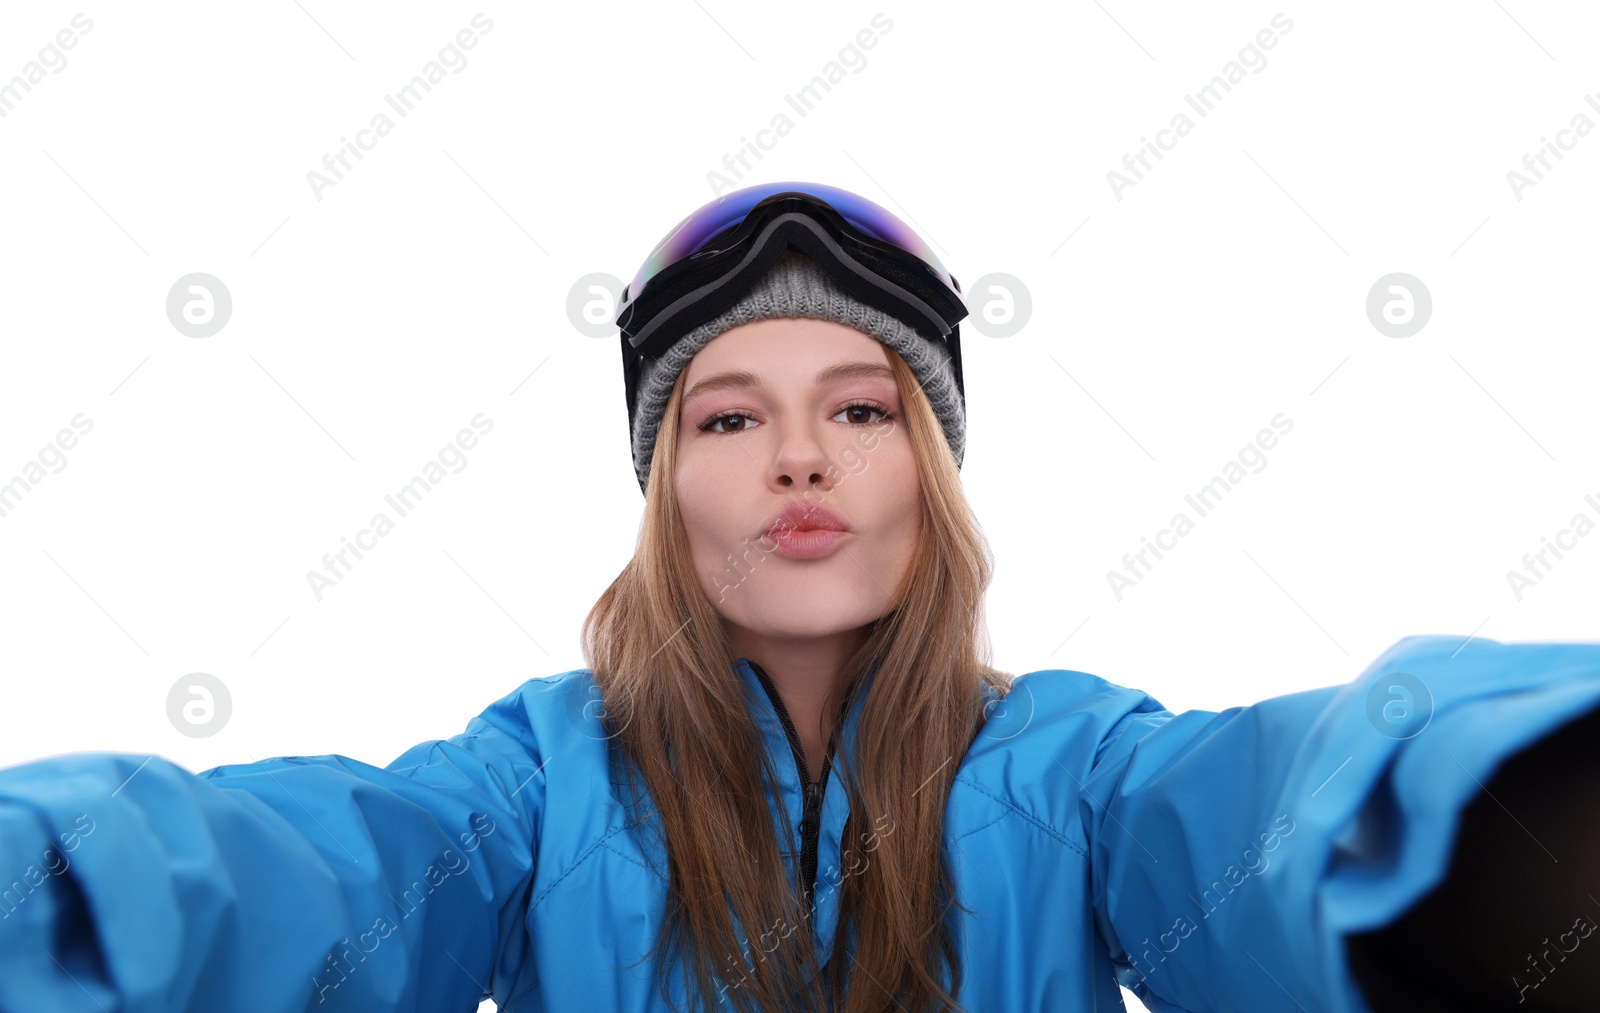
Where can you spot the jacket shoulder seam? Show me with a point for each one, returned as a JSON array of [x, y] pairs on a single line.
[[604, 843], [1003, 814], [596, 846], [1025, 815]]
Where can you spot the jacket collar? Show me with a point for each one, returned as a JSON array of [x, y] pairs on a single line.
[[791, 792]]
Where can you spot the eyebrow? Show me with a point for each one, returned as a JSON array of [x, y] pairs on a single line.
[[741, 378]]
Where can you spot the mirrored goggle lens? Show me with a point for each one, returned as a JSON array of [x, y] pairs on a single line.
[[692, 234]]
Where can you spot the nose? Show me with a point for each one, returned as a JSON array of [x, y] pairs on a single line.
[[801, 460]]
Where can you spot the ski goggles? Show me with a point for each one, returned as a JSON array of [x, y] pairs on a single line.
[[712, 258]]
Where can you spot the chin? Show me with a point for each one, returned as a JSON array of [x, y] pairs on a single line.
[[782, 613]]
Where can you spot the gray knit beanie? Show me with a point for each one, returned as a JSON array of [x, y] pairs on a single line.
[[797, 287]]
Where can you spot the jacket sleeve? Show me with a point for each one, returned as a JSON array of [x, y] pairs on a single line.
[[1233, 852], [128, 883]]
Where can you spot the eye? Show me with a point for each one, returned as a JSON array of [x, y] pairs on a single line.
[[868, 406], [711, 423]]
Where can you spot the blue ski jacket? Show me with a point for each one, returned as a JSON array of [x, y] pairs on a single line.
[[1206, 860]]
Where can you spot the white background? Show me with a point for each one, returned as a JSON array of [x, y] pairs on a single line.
[[431, 284]]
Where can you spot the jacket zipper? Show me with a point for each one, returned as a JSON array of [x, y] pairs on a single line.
[[810, 822]]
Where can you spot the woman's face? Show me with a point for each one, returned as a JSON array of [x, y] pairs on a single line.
[[789, 433]]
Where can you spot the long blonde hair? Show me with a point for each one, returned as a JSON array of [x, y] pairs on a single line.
[[660, 656]]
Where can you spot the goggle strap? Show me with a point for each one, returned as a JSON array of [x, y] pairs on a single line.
[[799, 230]]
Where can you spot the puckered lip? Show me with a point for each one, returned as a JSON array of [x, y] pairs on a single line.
[[804, 517]]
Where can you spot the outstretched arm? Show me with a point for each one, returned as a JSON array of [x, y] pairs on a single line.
[[1511, 926], [130, 884], [1236, 853]]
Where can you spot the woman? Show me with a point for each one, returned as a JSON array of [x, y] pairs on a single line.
[[787, 778]]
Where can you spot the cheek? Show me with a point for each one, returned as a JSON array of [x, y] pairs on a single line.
[[899, 491], [699, 515], [712, 520]]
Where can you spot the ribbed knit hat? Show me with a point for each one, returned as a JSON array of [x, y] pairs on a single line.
[[797, 287]]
